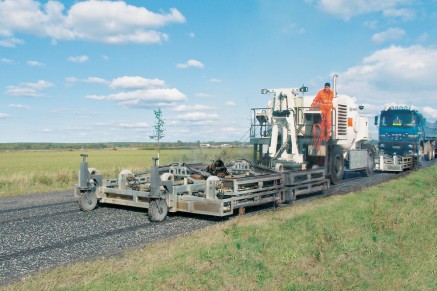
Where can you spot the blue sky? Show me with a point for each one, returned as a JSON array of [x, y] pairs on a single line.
[[94, 71]]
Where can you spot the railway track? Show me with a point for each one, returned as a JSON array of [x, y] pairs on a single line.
[[40, 231]]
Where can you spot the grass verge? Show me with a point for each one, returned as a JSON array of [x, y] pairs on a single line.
[[382, 238]]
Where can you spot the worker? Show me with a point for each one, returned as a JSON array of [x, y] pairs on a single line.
[[323, 101]]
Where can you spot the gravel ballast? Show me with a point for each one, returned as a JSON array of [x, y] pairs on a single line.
[[45, 230]]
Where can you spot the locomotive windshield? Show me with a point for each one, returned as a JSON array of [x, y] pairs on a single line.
[[398, 118]]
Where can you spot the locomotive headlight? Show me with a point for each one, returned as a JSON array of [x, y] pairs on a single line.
[[382, 145], [410, 146]]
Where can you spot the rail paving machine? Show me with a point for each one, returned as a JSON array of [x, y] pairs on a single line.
[[286, 137]]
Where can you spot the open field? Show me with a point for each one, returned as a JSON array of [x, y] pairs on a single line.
[[41, 171], [382, 238]]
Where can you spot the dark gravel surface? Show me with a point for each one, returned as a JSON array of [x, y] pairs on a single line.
[[40, 231], [44, 230]]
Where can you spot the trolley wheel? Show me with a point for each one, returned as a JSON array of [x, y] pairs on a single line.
[[158, 210], [337, 165], [87, 201]]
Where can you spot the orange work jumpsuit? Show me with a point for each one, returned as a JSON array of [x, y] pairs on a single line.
[[323, 100]]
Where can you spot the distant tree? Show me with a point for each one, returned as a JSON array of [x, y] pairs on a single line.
[[158, 128]]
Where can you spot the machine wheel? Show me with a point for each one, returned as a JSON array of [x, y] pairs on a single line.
[[87, 201], [337, 165], [158, 210]]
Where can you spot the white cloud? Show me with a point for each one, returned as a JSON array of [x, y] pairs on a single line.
[[4, 115], [197, 116], [20, 106], [28, 89], [95, 80], [10, 42], [153, 97], [35, 64], [78, 59], [6, 61], [394, 74], [390, 34], [133, 125], [70, 81], [230, 103], [123, 126], [346, 9], [404, 14], [203, 95], [101, 21], [136, 82], [191, 64], [214, 80], [429, 111], [192, 107]]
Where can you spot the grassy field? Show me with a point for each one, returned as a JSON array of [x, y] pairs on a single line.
[[383, 238], [40, 171]]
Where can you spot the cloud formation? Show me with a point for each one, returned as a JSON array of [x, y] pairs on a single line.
[[191, 64], [194, 107], [113, 22], [20, 106], [390, 34], [141, 92], [6, 61], [347, 9], [404, 75], [196, 117], [91, 80], [136, 82], [78, 59], [29, 89], [35, 64]]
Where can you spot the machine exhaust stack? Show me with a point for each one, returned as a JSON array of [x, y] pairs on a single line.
[[334, 82]]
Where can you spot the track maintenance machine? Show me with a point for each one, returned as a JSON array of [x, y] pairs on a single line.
[[298, 163], [286, 135], [405, 138], [214, 189]]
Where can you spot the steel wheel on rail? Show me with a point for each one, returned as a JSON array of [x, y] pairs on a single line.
[[87, 200], [158, 210], [337, 165]]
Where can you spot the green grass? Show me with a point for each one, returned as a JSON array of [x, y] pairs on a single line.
[[383, 238], [40, 171]]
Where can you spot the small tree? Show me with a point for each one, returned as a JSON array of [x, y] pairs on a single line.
[[158, 128]]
